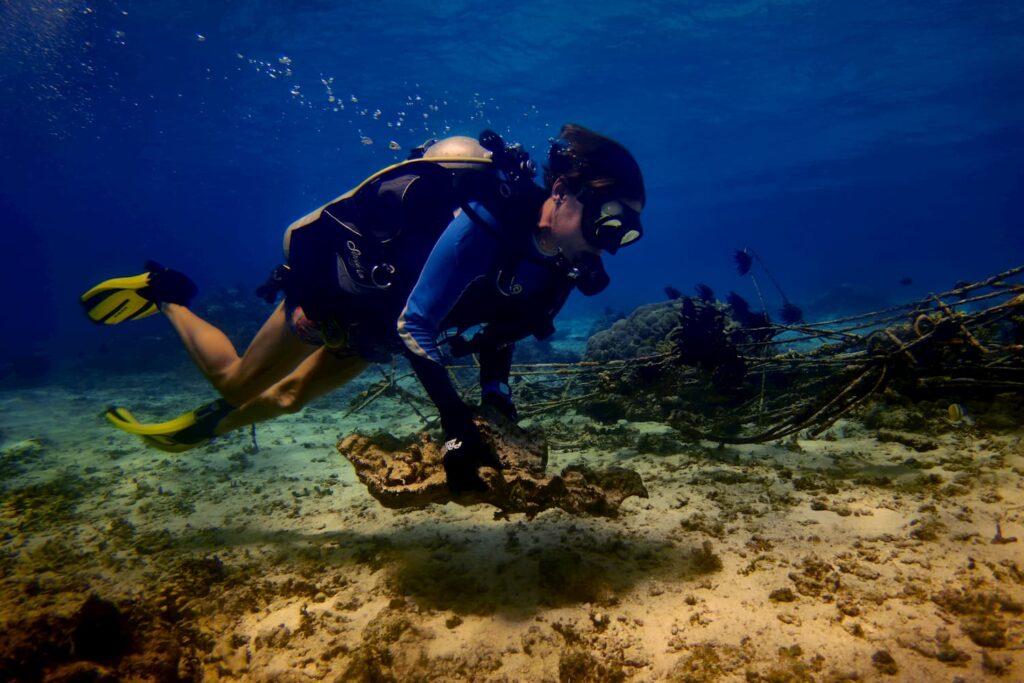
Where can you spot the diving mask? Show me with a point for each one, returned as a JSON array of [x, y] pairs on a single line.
[[608, 223]]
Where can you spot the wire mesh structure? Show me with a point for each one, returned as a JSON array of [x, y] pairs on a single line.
[[749, 384]]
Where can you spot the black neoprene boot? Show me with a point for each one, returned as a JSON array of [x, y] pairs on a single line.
[[167, 286]]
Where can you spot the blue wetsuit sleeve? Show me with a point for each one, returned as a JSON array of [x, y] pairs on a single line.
[[463, 254]]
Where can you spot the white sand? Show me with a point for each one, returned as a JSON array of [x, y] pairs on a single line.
[[316, 577]]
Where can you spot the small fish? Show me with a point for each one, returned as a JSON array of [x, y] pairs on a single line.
[[365, 140], [958, 414], [394, 146], [906, 281]]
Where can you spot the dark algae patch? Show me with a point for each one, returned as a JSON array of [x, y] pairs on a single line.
[[34, 507], [984, 616], [98, 640]]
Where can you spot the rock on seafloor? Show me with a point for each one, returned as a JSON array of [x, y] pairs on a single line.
[[406, 473]]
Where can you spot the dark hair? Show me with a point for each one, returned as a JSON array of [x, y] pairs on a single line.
[[589, 159]]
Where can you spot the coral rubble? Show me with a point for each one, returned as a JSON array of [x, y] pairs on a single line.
[[409, 473]]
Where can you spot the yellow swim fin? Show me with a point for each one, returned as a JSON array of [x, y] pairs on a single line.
[[130, 298], [116, 300], [191, 430], [124, 420]]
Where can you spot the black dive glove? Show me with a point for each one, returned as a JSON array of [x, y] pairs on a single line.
[[495, 368], [167, 286], [464, 453], [464, 450], [498, 395]]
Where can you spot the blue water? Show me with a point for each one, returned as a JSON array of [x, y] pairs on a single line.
[[849, 143]]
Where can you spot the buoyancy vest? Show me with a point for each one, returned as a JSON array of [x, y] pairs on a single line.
[[354, 260]]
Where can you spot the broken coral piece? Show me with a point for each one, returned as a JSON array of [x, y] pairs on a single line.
[[407, 473]]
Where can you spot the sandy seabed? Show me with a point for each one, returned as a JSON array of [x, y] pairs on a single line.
[[841, 559]]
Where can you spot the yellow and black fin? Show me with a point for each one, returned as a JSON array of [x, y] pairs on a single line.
[[185, 432], [117, 300]]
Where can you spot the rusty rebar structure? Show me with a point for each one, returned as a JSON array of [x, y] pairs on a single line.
[[802, 376]]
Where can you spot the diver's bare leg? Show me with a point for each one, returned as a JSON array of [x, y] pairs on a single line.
[[317, 375], [272, 353]]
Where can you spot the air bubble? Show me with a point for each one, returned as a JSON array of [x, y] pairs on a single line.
[[365, 140], [284, 59]]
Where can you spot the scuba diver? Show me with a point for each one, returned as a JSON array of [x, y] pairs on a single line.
[[458, 237]]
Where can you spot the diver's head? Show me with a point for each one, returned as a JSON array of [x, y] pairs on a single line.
[[596, 193]]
